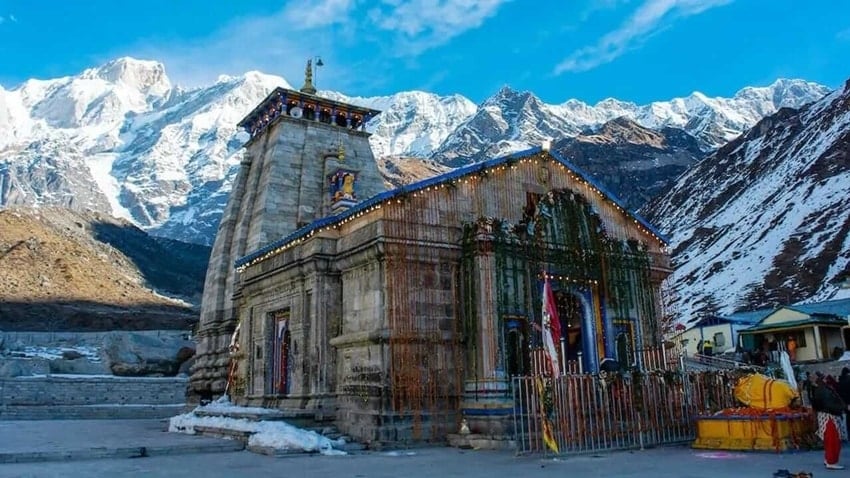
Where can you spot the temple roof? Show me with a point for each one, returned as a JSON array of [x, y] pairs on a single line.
[[307, 98], [376, 201]]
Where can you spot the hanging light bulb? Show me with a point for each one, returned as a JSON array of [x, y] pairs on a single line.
[[340, 154]]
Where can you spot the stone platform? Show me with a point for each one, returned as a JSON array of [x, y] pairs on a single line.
[[71, 440], [63, 397]]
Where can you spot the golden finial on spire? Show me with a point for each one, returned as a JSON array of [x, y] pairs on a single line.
[[308, 79]]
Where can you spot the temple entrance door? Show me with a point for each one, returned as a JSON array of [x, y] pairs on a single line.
[[517, 356], [571, 316], [281, 357]]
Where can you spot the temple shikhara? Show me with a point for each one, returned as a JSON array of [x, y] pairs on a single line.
[[401, 312]]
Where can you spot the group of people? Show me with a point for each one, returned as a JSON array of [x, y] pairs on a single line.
[[770, 351], [830, 399], [705, 347]]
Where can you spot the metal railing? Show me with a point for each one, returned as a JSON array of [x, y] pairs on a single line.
[[719, 363], [588, 413], [648, 358]]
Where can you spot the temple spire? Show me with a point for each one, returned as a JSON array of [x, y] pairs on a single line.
[[308, 79]]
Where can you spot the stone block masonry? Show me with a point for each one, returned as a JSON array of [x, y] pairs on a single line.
[[282, 185], [88, 397]]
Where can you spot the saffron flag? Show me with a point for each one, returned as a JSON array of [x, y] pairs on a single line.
[[551, 327], [548, 434]]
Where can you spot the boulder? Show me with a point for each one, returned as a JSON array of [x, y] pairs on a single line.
[[78, 366], [186, 368], [133, 354], [71, 355], [19, 367], [11, 368]]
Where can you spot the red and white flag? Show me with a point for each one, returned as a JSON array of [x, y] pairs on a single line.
[[551, 327]]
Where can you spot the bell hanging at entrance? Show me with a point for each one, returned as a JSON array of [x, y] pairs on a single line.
[[340, 154], [464, 427]]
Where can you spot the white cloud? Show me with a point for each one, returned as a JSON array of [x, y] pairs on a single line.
[[280, 43], [307, 14], [645, 21], [427, 23]]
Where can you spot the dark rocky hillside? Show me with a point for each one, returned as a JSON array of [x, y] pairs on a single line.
[[636, 163], [765, 219], [65, 270]]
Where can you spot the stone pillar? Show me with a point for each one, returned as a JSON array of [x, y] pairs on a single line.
[[487, 402]]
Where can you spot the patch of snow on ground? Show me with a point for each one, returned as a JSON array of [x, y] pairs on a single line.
[[52, 353], [274, 434]]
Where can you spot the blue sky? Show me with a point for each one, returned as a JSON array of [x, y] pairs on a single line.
[[637, 50]]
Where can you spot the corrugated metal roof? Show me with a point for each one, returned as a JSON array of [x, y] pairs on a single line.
[[840, 308], [749, 317], [474, 168], [817, 320]]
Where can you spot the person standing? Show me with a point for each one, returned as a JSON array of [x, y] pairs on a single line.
[[791, 345], [707, 348], [830, 409], [844, 393]]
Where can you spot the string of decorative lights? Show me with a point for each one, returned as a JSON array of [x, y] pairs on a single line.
[[469, 178]]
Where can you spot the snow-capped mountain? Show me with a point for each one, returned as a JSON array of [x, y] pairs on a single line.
[[765, 220], [411, 123], [511, 121], [122, 139]]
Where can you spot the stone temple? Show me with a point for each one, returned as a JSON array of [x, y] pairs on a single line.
[[400, 312]]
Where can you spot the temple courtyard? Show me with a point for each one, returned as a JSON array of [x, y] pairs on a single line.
[[95, 448]]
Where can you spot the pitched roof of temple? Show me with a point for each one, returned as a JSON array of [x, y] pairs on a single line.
[[375, 202]]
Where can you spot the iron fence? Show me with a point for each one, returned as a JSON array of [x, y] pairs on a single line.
[[588, 413]]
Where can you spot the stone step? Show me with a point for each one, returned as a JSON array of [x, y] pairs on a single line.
[[352, 447], [482, 442], [270, 415], [271, 451], [89, 412], [219, 432], [297, 417]]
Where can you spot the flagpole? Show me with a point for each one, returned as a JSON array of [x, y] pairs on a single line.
[[563, 358]]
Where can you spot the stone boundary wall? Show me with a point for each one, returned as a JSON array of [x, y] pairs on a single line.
[[58, 339], [91, 397]]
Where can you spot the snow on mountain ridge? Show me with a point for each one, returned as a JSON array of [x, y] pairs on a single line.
[[510, 121], [763, 220], [411, 123], [164, 156]]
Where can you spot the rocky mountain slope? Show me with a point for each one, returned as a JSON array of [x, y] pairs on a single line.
[[765, 219], [122, 139], [61, 270], [636, 162]]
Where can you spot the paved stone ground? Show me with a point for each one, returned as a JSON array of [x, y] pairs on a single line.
[[437, 463], [175, 455], [63, 440]]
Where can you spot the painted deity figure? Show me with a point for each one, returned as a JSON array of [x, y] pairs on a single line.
[[342, 186], [348, 186]]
